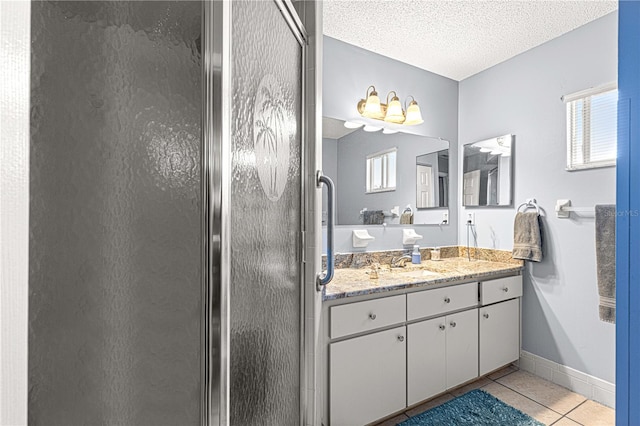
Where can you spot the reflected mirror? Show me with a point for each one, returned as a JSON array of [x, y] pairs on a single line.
[[378, 176], [432, 180], [487, 172]]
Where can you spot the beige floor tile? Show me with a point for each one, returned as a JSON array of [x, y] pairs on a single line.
[[502, 372], [593, 414], [393, 421], [542, 391], [527, 406], [471, 386], [429, 405], [566, 422]]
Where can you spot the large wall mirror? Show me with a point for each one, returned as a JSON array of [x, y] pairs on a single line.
[[379, 176], [487, 172]]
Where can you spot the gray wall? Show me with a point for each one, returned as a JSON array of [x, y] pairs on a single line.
[[348, 71], [522, 96]]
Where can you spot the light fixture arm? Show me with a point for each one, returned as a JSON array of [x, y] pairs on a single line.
[[405, 101], [370, 87], [395, 95]]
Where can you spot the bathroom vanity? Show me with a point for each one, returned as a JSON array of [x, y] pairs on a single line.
[[393, 342]]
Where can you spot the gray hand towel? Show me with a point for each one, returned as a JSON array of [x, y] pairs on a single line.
[[606, 260], [406, 218], [527, 242], [373, 217]]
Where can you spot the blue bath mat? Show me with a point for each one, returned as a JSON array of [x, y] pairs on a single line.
[[477, 408]]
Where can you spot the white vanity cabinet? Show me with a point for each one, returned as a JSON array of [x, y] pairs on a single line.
[[368, 377], [499, 322], [386, 353], [442, 353]]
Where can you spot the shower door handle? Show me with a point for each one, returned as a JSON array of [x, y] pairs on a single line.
[[324, 278]]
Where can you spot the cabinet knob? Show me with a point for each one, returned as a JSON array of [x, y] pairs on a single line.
[[372, 316], [486, 315], [400, 338], [447, 300], [452, 323], [505, 289], [442, 327]]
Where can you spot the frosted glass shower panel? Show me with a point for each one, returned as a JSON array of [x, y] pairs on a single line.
[[114, 307], [265, 294]]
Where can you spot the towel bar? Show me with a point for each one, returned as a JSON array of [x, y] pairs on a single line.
[[564, 209]]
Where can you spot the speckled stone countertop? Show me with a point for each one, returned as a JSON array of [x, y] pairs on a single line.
[[349, 282]]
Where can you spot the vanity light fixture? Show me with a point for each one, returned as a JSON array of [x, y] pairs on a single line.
[[389, 131], [368, 128], [391, 112]]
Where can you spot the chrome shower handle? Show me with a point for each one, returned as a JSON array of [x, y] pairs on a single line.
[[323, 278]]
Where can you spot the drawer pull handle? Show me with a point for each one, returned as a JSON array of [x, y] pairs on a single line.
[[372, 316], [447, 300], [442, 327], [505, 289], [486, 315], [452, 324], [401, 338]]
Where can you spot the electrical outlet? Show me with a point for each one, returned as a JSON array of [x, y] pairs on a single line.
[[471, 218], [445, 217]]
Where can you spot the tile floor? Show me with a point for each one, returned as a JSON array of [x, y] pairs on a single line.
[[543, 400]]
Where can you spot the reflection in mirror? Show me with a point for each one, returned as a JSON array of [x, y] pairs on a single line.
[[345, 156], [432, 180], [381, 171], [487, 173]]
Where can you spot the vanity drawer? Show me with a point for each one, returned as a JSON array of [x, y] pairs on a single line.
[[438, 301], [501, 289], [369, 315]]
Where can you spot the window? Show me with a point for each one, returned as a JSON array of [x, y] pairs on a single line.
[[381, 171], [592, 124]]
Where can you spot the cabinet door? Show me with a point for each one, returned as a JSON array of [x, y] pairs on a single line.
[[499, 335], [462, 347], [426, 361], [368, 377]]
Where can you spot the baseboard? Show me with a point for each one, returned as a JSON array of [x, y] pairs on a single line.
[[581, 383]]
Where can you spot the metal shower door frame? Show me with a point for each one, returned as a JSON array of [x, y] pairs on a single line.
[[216, 184]]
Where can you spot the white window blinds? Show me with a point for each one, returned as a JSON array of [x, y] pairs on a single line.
[[381, 171], [592, 123]]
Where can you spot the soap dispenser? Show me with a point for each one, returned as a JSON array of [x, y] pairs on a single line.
[[415, 256]]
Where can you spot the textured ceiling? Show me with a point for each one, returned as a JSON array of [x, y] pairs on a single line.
[[455, 39]]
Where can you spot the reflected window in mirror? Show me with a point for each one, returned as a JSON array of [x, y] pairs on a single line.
[[487, 173], [381, 171]]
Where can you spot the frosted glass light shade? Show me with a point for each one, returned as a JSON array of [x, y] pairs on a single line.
[[369, 128], [394, 111], [413, 114], [372, 106]]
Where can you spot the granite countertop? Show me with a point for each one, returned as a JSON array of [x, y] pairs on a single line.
[[349, 282]]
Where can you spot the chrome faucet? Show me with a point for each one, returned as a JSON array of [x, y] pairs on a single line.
[[400, 261]]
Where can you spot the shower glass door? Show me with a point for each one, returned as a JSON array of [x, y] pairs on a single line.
[[265, 294], [115, 213]]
